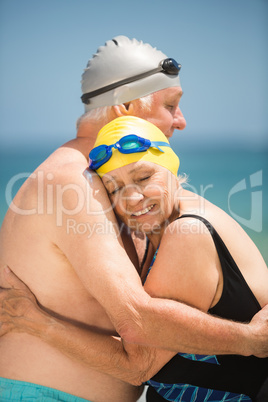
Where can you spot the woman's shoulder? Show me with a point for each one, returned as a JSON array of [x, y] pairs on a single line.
[[186, 265]]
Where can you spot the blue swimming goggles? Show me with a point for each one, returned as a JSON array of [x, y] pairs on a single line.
[[129, 144]]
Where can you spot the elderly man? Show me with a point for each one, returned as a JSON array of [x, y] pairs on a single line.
[[61, 238]]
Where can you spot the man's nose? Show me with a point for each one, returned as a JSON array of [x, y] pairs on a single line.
[[179, 121]]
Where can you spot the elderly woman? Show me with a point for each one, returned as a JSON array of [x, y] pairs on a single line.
[[206, 261], [196, 254]]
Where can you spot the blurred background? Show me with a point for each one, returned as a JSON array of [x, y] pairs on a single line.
[[222, 46]]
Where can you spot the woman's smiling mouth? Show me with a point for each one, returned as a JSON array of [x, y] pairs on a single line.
[[143, 211]]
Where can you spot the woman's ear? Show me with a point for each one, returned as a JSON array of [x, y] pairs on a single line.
[[124, 109]]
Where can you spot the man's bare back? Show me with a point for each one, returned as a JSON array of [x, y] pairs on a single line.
[[33, 243]]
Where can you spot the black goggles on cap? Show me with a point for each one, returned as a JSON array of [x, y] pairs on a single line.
[[167, 66]]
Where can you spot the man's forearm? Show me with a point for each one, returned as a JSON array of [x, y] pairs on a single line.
[[165, 324], [99, 351], [197, 332], [175, 326], [140, 319]]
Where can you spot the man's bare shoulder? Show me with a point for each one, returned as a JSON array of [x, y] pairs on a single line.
[[62, 183], [69, 156], [68, 165]]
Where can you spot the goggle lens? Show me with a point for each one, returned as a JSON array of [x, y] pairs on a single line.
[[170, 66], [132, 143], [98, 156], [101, 154]]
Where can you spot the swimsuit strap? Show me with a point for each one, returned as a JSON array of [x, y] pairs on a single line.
[[145, 253], [222, 250]]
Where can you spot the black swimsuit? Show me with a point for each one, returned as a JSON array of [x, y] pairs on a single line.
[[216, 378]]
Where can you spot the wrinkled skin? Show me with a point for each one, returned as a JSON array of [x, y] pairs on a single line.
[[20, 312]]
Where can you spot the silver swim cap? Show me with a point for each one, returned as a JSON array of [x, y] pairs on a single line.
[[124, 70]]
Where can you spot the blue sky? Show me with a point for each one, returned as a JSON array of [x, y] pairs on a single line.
[[45, 45]]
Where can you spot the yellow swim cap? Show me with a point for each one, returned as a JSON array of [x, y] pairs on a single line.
[[122, 126]]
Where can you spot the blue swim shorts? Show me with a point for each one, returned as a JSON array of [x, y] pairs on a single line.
[[13, 390]]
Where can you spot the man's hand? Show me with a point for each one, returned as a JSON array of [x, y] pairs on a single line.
[[18, 305], [259, 327]]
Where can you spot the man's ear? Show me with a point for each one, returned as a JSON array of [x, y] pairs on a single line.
[[124, 109]]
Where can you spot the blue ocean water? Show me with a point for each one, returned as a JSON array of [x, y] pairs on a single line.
[[236, 180]]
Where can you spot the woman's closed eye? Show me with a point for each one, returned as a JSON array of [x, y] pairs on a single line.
[[144, 178], [114, 191]]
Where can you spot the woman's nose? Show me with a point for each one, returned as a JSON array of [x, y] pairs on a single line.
[[133, 195], [179, 121]]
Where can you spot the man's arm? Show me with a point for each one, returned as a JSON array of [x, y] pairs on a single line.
[[19, 312], [134, 364]]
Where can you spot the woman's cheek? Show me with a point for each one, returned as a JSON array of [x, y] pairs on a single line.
[[156, 190]]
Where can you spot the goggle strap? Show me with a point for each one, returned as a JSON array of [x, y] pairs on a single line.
[[157, 144], [163, 67], [86, 97]]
